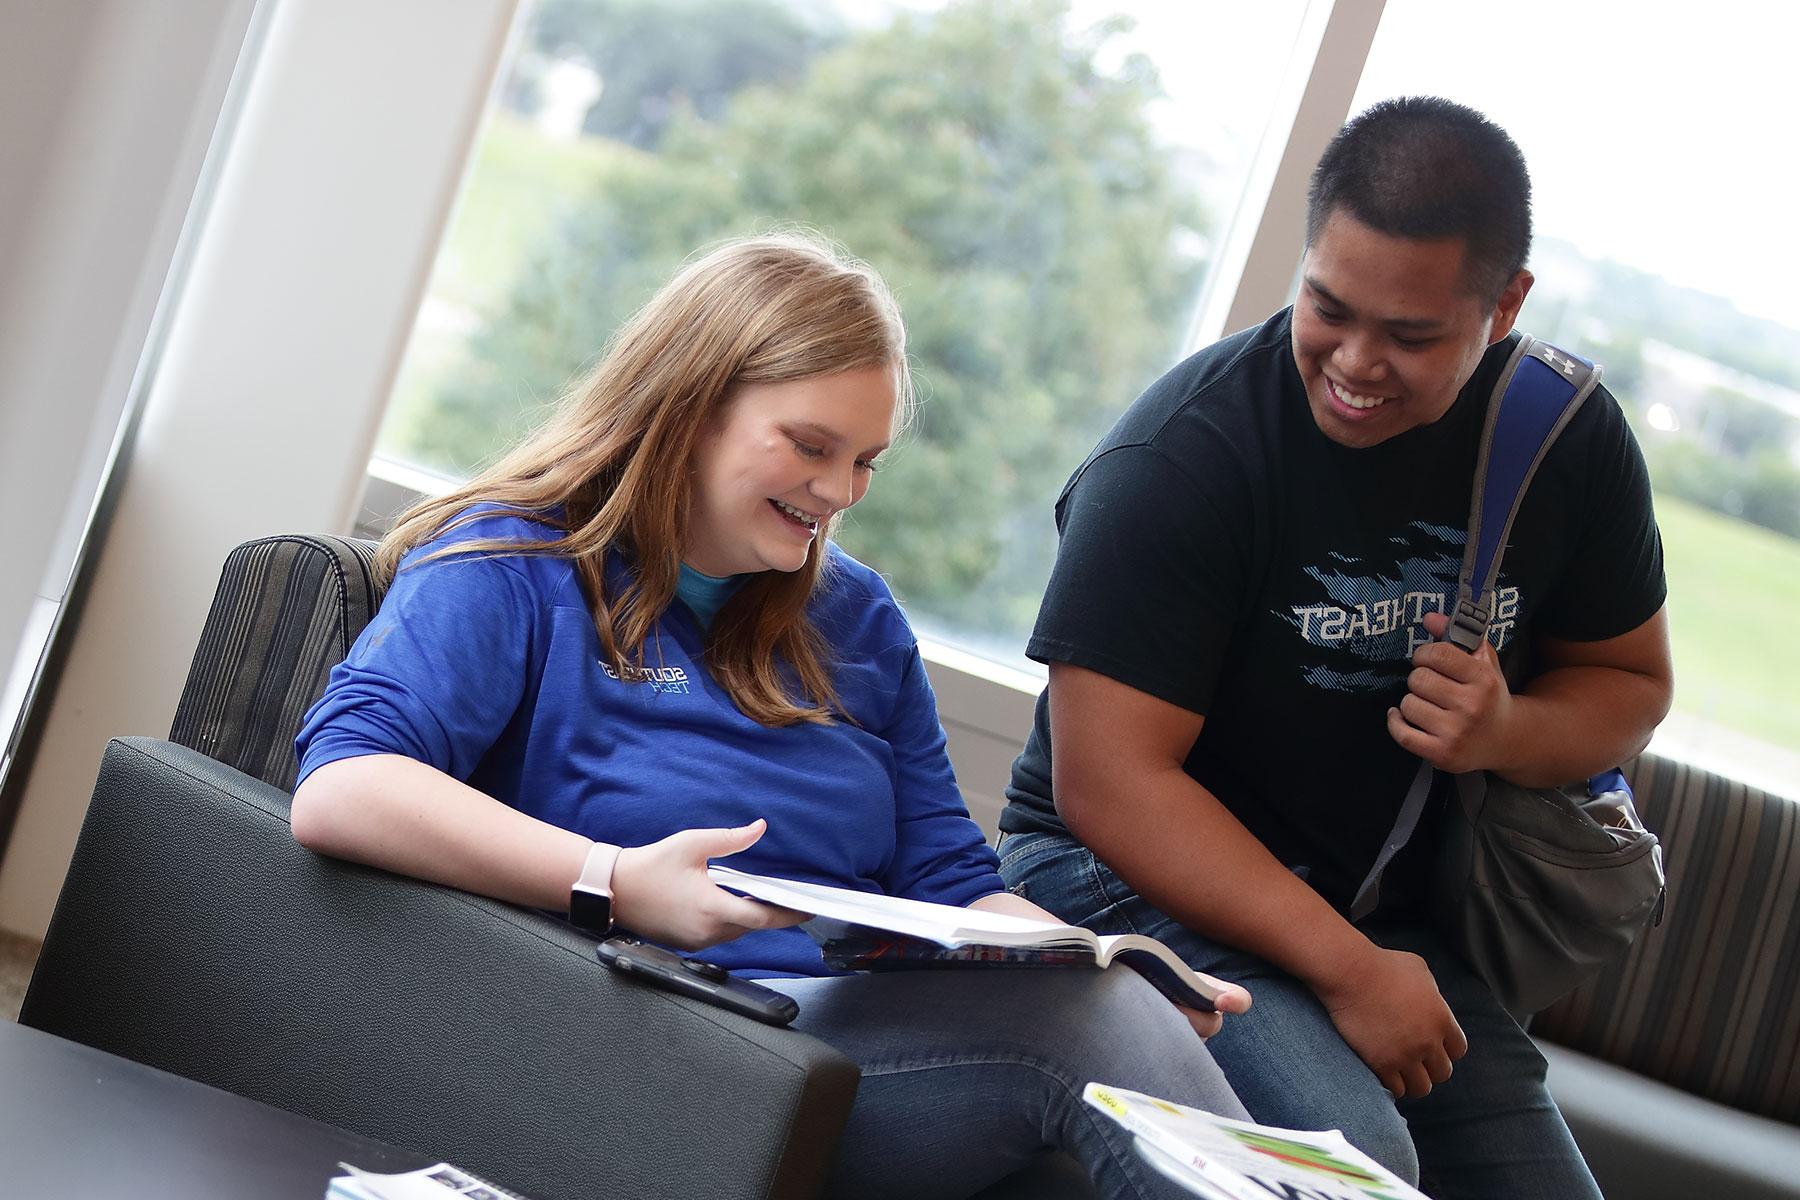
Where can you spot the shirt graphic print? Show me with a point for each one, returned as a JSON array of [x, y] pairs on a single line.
[[1364, 620]]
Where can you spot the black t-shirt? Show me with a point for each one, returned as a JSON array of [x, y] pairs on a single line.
[[1221, 553]]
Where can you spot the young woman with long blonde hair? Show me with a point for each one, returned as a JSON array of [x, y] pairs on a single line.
[[629, 647]]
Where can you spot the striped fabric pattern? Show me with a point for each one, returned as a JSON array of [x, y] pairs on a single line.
[[286, 611], [1709, 1001]]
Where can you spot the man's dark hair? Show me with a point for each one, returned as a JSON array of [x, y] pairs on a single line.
[[1423, 167]]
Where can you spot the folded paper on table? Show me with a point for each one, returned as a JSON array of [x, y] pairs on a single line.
[[439, 1182]]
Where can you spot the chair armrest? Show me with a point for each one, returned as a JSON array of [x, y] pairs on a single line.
[[195, 935]]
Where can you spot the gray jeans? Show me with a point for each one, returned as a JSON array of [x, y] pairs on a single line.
[[969, 1074]]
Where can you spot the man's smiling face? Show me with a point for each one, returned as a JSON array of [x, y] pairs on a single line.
[[1387, 330]]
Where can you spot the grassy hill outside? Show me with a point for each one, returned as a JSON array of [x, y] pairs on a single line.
[[1733, 590], [521, 183]]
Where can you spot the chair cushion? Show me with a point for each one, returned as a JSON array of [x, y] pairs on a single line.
[[286, 611], [1648, 1141], [1708, 1002]]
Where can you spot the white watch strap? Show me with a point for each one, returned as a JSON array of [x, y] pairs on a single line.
[[597, 871]]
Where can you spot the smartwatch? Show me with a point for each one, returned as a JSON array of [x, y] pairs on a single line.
[[591, 899]]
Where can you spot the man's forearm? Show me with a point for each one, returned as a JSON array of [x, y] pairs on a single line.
[[1210, 873], [1574, 722]]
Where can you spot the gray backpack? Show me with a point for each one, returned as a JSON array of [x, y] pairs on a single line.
[[1537, 888]]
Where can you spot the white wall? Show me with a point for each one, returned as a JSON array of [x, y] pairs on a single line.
[[278, 358], [106, 109]]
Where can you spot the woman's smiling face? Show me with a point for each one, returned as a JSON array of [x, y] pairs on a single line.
[[778, 461]]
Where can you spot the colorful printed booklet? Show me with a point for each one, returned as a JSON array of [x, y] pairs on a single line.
[[1221, 1159], [865, 931]]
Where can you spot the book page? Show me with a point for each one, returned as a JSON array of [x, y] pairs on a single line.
[[942, 923]]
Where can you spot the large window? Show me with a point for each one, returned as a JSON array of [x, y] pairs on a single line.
[[1664, 205], [1042, 183], [1046, 183]]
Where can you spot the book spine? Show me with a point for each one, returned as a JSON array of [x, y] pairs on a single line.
[[1164, 978], [847, 946], [875, 951]]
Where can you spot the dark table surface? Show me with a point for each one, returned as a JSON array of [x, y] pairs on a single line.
[[78, 1122]]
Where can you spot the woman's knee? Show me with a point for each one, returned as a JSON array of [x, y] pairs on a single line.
[[1118, 998], [1113, 1027]]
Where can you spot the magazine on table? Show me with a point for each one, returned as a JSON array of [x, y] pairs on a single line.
[[1221, 1159], [440, 1182], [866, 931]]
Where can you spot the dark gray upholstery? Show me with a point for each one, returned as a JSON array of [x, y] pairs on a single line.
[[195, 935], [1646, 1140]]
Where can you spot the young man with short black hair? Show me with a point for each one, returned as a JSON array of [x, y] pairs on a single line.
[[1240, 630]]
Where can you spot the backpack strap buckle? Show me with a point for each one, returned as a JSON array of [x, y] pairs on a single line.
[[1469, 625]]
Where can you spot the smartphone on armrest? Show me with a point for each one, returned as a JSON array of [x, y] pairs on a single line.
[[699, 979]]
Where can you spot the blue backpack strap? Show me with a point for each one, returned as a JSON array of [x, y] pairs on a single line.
[[1609, 781], [1537, 394]]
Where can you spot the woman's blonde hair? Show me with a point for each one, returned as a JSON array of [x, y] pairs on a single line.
[[611, 468]]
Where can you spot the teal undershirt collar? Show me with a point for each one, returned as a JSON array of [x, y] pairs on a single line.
[[705, 594]]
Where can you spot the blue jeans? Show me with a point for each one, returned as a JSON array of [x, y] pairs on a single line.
[[1490, 1131], [969, 1074]]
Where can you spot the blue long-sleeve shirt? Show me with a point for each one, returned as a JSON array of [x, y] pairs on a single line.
[[489, 669]]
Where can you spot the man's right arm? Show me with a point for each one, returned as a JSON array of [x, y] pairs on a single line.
[[1121, 787]]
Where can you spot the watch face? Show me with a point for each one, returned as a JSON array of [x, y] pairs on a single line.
[[590, 910]]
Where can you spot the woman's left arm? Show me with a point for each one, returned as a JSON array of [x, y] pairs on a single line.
[[939, 852]]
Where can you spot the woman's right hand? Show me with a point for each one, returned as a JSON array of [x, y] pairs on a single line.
[[661, 892]]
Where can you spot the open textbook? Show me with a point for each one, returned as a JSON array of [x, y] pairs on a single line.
[[1221, 1159], [864, 931]]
